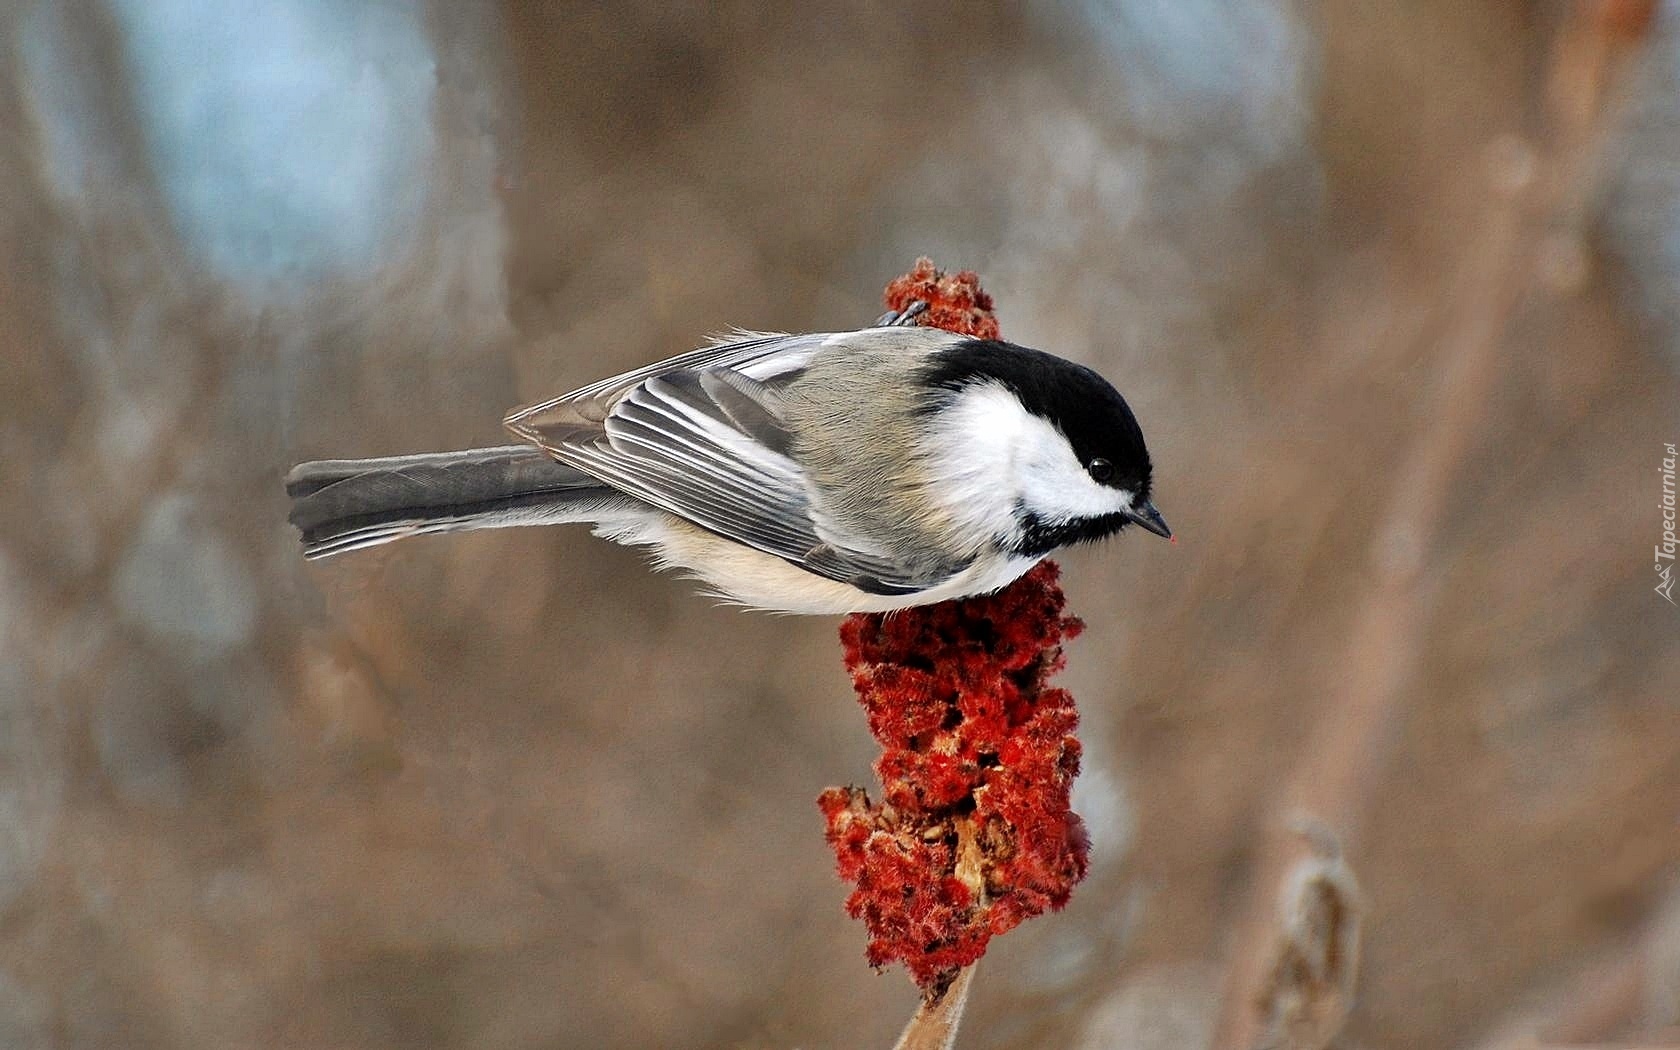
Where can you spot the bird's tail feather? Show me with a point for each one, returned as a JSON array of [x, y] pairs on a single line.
[[343, 505]]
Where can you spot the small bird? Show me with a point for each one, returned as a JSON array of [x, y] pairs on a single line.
[[862, 471]]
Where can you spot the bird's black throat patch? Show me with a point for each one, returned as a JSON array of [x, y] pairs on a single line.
[[1038, 537]]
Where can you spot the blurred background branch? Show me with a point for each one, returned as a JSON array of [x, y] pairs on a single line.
[[1533, 199]]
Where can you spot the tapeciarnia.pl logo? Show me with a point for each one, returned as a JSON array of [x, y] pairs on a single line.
[[1665, 549]]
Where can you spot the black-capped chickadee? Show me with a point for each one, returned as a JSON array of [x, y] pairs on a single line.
[[852, 472]]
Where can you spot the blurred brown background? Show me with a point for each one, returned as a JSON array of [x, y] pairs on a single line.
[[1394, 289]]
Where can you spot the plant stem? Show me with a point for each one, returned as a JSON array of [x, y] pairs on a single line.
[[934, 1027]]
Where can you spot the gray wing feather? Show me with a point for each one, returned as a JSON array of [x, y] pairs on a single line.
[[702, 436], [762, 356]]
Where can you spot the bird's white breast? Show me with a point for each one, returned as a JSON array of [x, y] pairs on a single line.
[[749, 577]]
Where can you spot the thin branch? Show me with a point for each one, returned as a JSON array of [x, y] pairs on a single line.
[[934, 1027]]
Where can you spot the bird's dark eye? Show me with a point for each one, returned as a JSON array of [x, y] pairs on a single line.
[[1101, 471]]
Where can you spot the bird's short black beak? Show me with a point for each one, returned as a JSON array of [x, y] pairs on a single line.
[[1146, 515]]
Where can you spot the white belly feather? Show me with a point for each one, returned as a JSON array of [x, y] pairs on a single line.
[[742, 575]]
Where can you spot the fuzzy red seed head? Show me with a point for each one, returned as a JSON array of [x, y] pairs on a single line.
[[956, 302], [974, 833], [979, 755]]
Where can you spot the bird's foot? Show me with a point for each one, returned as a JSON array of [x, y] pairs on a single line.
[[903, 318]]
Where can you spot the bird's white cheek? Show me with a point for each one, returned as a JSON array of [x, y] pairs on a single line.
[[974, 450], [994, 458], [1054, 485], [1059, 496]]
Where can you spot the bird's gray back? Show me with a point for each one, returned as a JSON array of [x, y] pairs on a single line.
[[856, 414]]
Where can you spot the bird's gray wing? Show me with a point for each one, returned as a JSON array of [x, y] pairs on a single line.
[[706, 442], [765, 356]]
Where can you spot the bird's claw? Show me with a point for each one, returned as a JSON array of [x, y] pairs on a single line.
[[903, 318]]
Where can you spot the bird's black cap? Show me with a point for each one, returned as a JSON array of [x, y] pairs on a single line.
[[1077, 401]]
